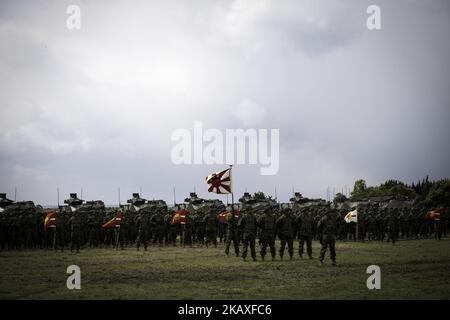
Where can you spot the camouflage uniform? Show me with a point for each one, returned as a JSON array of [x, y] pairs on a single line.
[[144, 226], [232, 235], [327, 231], [172, 229], [391, 225], [158, 225], [285, 230], [248, 227], [187, 231], [61, 222], [304, 226], [75, 223], [267, 224], [211, 222]]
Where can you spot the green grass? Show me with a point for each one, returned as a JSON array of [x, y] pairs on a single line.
[[418, 269]]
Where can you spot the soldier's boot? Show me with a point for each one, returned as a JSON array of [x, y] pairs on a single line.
[[254, 258], [334, 263], [291, 256]]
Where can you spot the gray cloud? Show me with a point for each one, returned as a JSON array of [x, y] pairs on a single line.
[[96, 107]]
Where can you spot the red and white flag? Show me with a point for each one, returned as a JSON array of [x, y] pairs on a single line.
[[114, 222], [180, 217], [220, 182], [50, 220]]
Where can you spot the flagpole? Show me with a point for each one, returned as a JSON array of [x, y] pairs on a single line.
[[117, 237], [54, 238], [357, 239], [174, 199], [232, 195]]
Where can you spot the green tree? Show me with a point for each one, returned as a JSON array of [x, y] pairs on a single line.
[[439, 194], [359, 188]]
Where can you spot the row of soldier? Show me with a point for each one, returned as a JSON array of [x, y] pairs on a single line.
[[152, 222]]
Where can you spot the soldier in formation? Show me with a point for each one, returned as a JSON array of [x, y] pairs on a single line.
[[146, 223]]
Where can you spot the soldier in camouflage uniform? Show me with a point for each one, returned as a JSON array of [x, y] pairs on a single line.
[[158, 226], [248, 226], [172, 229], [232, 234], [144, 225], [326, 228], [211, 222], [362, 222], [392, 224], [61, 226], [187, 229], [370, 221], [267, 225], [75, 223], [380, 223], [304, 227], [285, 230]]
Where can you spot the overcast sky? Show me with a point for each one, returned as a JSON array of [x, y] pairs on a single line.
[[95, 107]]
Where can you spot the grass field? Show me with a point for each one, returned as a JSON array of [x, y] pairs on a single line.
[[416, 269]]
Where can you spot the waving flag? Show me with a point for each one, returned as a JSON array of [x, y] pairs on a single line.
[[114, 222], [352, 216], [223, 217], [227, 215], [220, 182], [180, 217], [434, 215], [50, 220]]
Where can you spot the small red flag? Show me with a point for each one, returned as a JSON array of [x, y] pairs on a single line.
[[50, 220], [223, 217], [114, 222], [180, 217], [434, 214]]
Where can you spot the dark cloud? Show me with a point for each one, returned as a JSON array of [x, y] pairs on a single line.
[[95, 108]]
